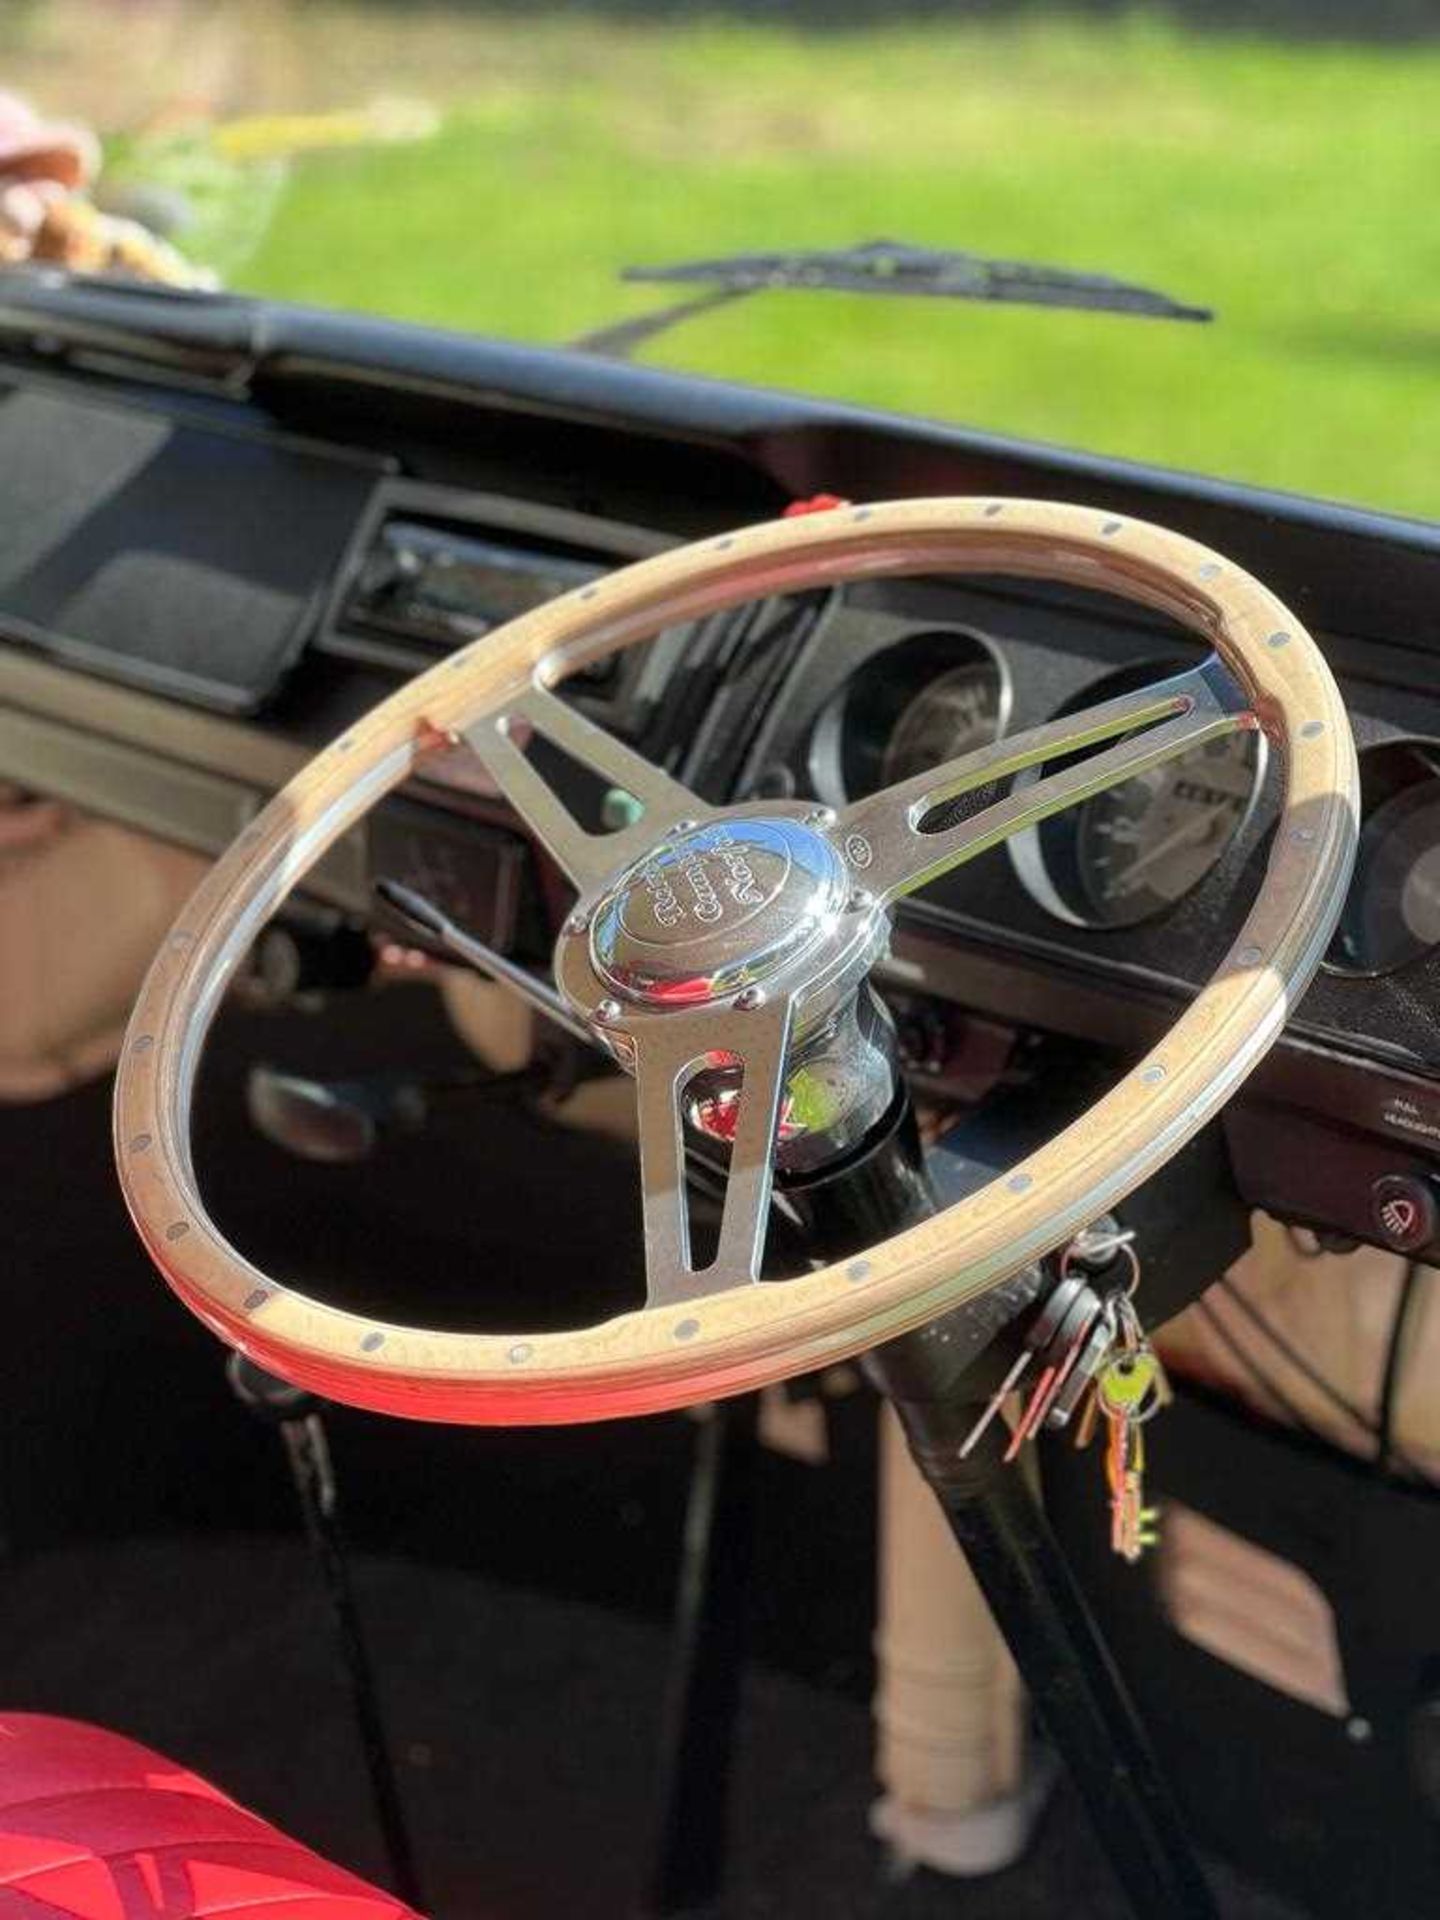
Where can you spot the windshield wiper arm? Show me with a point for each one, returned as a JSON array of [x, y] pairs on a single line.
[[884, 267]]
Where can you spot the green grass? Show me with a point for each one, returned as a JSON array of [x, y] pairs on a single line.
[[1292, 187]]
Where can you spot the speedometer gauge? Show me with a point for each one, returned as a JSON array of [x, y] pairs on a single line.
[[908, 707], [1144, 844], [1133, 850], [952, 715]]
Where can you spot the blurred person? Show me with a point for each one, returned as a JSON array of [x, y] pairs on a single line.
[[48, 170]]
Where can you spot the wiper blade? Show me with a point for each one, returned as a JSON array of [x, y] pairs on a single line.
[[883, 267], [888, 266], [53, 314]]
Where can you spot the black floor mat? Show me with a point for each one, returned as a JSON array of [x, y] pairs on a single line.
[[524, 1728], [525, 1714]]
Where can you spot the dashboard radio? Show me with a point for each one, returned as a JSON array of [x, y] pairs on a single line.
[[440, 586], [431, 568]]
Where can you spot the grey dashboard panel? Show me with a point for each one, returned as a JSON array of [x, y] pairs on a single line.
[[123, 781], [163, 550]]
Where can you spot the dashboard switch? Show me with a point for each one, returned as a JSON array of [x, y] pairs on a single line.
[[1405, 1211]]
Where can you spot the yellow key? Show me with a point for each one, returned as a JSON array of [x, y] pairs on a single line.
[[1132, 1385]]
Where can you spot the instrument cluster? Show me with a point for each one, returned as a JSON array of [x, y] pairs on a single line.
[[1125, 856], [1140, 889], [1133, 852]]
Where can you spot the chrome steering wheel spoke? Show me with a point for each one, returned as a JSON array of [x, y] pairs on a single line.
[[682, 916], [746, 1049], [586, 857], [891, 851]]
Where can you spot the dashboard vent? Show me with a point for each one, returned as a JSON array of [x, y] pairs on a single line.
[[755, 649]]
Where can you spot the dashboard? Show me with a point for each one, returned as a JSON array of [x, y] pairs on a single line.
[[210, 568]]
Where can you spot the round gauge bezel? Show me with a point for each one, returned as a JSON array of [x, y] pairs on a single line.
[[1390, 770], [1031, 859], [930, 653]]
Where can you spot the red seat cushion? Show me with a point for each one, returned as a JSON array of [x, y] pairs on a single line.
[[94, 1827]]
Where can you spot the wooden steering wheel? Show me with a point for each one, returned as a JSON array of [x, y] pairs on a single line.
[[707, 934]]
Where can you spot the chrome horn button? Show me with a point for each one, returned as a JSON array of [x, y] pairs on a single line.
[[715, 909]]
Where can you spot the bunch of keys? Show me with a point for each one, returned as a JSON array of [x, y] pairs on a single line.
[[1055, 1337], [1129, 1390], [1086, 1342]]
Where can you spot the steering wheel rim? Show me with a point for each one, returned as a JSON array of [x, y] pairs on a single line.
[[702, 1345]]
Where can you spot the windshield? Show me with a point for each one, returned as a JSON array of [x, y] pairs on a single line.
[[496, 168]]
